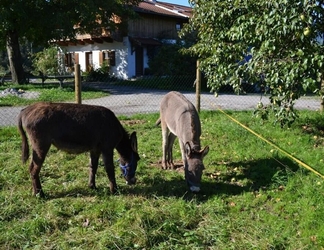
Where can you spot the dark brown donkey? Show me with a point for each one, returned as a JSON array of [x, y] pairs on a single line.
[[77, 128], [179, 118]]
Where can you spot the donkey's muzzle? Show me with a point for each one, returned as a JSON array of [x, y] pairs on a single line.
[[192, 182], [194, 189]]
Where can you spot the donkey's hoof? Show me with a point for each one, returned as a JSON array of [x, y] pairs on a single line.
[[40, 194], [91, 186]]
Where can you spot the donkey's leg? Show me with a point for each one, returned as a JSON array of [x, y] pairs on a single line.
[[169, 150], [183, 153], [38, 157], [94, 159], [165, 135], [110, 169]]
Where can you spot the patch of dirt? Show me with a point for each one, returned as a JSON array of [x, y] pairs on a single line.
[[317, 131], [177, 164], [310, 129], [132, 122]]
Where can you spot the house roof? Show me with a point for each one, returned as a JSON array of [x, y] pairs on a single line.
[[146, 6], [165, 9]]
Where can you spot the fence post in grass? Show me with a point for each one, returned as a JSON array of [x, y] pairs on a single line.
[[77, 82], [198, 86], [322, 97]]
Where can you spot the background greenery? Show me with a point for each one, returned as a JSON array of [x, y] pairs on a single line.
[[41, 22], [252, 196], [50, 92], [278, 44]]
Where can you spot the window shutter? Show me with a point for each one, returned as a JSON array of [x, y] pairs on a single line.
[[101, 55]]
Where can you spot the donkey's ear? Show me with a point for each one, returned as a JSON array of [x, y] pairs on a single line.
[[205, 151], [188, 148], [133, 139]]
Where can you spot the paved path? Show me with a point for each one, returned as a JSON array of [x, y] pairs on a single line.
[[130, 100]]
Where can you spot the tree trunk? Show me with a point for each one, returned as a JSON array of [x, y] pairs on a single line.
[[15, 60]]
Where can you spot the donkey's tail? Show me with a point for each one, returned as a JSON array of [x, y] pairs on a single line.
[[157, 123], [24, 145]]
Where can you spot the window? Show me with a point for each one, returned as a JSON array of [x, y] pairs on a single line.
[[108, 57], [112, 58], [69, 60], [105, 57]]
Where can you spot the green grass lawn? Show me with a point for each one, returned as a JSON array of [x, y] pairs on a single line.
[[50, 92], [253, 196]]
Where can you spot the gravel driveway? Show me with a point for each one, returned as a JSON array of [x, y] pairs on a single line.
[[129, 100]]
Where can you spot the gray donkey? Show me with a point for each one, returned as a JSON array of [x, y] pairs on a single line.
[[179, 118]]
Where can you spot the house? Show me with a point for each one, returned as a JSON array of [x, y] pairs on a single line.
[[128, 55]]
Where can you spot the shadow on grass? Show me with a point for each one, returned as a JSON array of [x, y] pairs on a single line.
[[238, 177], [314, 126], [75, 192], [254, 175]]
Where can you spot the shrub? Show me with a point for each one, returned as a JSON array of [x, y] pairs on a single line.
[[46, 62]]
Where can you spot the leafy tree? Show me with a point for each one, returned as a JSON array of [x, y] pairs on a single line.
[[41, 21], [283, 38], [170, 61]]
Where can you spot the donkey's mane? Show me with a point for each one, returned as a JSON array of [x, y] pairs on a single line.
[[191, 109], [121, 147], [193, 114]]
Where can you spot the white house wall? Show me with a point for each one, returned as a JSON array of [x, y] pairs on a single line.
[[130, 58], [125, 59]]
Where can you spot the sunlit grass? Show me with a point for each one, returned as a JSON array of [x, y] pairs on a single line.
[[253, 197], [49, 92]]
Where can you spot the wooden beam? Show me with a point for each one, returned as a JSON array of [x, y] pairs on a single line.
[[97, 40], [73, 43], [85, 41], [62, 43], [90, 41], [107, 39], [81, 42]]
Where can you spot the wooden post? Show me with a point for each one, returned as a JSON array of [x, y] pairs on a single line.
[[198, 86], [322, 96], [77, 83]]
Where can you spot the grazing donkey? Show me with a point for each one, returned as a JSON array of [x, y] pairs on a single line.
[[179, 118], [77, 128]]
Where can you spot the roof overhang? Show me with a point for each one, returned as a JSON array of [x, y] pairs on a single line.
[[83, 40], [144, 41]]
